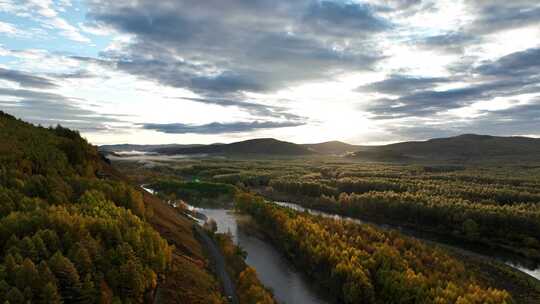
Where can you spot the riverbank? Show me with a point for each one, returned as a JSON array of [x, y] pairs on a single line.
[[503, 254], [275, 272], [523, 287], [362, 264]]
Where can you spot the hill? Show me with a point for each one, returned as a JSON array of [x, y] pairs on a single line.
[[74, 230], [332, 147], [141, 148], [260, 146], [466, 147]]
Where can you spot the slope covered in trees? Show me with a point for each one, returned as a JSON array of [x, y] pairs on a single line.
[[494, 206], [71, 231], [361, 264], [466, 206]]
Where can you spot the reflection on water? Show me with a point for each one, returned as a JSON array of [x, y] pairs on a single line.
[[274, 270], [532, 272]]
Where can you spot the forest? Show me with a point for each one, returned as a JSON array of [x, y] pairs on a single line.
[[361, 264], [489, 211], [197, 193], [74, 229], [482, 208], [66, 235], [249, 288], [497, 207]]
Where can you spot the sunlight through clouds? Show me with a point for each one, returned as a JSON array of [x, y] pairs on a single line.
[[303, 70]]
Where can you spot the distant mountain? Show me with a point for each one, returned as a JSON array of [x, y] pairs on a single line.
[[141, 148], [261, 146], [332, 147], [466, 147]]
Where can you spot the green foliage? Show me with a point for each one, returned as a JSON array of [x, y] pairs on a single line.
[[361, 264], [504, 202], [65, 234], [472, 204], [196, 193], [249, 288]]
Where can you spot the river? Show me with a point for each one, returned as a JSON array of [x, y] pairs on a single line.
[[273, 269], [277, 273]]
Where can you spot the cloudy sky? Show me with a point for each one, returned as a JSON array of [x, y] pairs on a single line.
[[203, 71]]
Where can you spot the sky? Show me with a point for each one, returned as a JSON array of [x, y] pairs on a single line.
[[306, 71]]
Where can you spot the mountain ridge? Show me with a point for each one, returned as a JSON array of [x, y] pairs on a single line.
[[260, 146], [333, 147], [461, 147], [464, 147]]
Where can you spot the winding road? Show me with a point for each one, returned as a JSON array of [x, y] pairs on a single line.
[[218, 261]]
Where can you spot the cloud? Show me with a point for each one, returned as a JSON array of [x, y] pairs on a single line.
[[253, 108], [528, 114], [11, 30], [521, 119], [26, 80], [487, 18], [497, 15], [247, 55], [525, 63], [218, 128], [46, 13], [451, 42], [430, 102], [398, 84], [263, 46], [78, 74], [513, 74], [343, 19], [47, 109]]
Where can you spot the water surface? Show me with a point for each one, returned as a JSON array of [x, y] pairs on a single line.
[[274, 270]]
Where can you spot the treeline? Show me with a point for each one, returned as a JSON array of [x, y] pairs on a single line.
[[497, 194], [516, 226], [506, 216], [497, 206], [67, 236], [361, 264], [197, 193], [249, 288]]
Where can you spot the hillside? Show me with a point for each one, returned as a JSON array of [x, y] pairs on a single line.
[[141, 148], [332, 147], [466, 147], [260, 146], [73, 230]]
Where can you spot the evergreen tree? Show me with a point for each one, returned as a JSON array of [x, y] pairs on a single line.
[[67, 276], [88, 291], [15, 296], [27, 275], [49, 294]]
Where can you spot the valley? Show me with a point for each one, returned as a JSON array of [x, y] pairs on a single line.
[[269, 152], [318, 179], [261, 222]]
